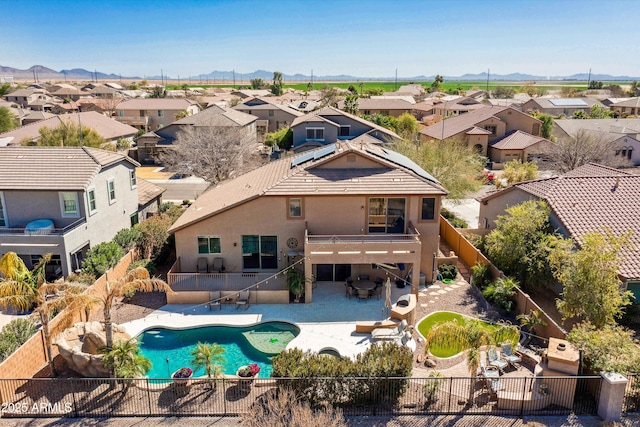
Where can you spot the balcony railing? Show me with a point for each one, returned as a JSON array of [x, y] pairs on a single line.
[[17, 231], [412, 236], [225, 281]]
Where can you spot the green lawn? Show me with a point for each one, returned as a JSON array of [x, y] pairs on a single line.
[[440, 317]]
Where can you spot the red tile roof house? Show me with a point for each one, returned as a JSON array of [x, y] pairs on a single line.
[[518, 145], [150, 114], [387, 107], [482, 127], [590, 198], [336, 210]]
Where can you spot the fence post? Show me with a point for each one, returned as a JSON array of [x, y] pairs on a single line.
[[611, 396], [149, 397]]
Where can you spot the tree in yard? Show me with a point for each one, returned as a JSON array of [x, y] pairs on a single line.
[[213, 153], [501, 292], [4, 89], [7, 120], [503, 92], [330, 96], [351, 104], [123, 358], [283, 138], [531, 321], [585, 147], [515, 171], [594, 84], [598, 112], [257, 83], [136, 280], [29, 290], [158, 92], [592, 288], [452, 162], [388, 122], [14, 334], [435, 86], [374, 91], [101, 258], [181, 114], [276, 87], [407, 126], [210, 357], [517, 244], [68, 135]]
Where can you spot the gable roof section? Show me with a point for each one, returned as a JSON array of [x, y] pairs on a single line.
[[217, 116], [106, 127], [516, 140], [463, 122], [148, 191], [54, 168], [281, 179], [617, 127], [263, 104], [325, 114], [156, 104]]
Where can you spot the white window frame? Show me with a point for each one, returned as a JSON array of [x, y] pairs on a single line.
[[315, 133], [160, 113], [209, 245], [92, 190], [133, 179], [65, 214], [120, 113], [3, 211], [111, 182]]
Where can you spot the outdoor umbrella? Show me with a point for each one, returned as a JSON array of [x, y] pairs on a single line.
[[387, 298]]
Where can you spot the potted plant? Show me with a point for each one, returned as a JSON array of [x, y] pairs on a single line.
[[182, 376], [295, 283], [246, 374]]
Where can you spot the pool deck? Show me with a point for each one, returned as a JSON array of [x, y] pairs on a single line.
[[327, 323]]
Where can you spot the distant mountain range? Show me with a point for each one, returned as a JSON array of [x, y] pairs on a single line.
[[41, 73]]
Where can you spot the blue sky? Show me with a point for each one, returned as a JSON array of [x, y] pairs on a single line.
[[363, 38]]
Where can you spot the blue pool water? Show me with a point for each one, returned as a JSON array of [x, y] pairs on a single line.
[[170, 349]]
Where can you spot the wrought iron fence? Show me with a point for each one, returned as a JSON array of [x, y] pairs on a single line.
[[39, 397], [631, 402]]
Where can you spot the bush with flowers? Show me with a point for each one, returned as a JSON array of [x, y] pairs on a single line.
[[248, 371]]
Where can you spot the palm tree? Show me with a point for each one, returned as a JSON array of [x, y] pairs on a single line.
[[125, 361], [470, 335], [137, 279], [210, 357], [532, 320], [26, 289]]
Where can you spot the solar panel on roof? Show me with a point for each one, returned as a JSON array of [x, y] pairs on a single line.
[[567, 102], [403, 161], [314, 155]]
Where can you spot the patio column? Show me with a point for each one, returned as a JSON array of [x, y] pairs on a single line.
[[415, 274], [611, 396], [308, 282]]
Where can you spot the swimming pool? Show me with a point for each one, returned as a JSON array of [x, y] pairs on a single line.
[[170, 349]]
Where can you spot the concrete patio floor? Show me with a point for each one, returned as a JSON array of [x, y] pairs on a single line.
[[327, 323]]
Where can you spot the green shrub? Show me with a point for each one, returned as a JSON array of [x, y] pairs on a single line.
[[481, 275], [435, 381], [151, 267], [283, 138], [128, 238], [14, 334], [500, 292], [453, 219], [448, 271], [101, 258]]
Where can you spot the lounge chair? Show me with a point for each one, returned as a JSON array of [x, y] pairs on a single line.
[[214, 300], [389, 333], [507, 354], [202, 266], [495, 361], [406, 340], [349, 290], [243, 299], [490, 372], [218, 265]]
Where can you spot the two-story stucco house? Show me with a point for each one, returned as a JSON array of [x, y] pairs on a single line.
[[329, 125], [271, 116], [63, 201], [150, 114], [337, 210]]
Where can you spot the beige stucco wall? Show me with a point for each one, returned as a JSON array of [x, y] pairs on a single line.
[[498, 204]]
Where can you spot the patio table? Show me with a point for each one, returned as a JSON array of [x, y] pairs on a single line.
[[365, 285]]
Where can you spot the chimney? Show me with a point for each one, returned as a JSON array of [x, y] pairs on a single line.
[[617, 184]]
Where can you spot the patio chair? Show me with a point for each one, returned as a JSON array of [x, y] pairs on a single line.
[[406, 340], [243, 299], [512, 359], [363, 277], [349, 290], [488, 373], [214, 300], [495, 361], [363, 294], [389, 333], [202, 266], [377, 291], [218, 265]]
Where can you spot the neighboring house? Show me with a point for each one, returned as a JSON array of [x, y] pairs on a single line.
[[63, 201], [24, 97], [214, 116], [629, 107], [482, 127], [329, 125], [519, 145], [561, 106], [623, 134], [304, 105], [271, 116], [423, 111], [65, 91], [385, 106], [149, 199], [106, 127], [589, 198], [414, 90], [35, 116], [342, 208], [455, 107], [608, 102], [151, 114], [251, 93]]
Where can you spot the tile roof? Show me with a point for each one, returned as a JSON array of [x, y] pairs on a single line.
[[53, 168], [381, 104], [631, 102], [106, 127], [326, 113], [280, 178], [548, 103], [516, 140], [156, 104], [217, 116], [148, 191], [266, 105], [455, 125], [617, 127]]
